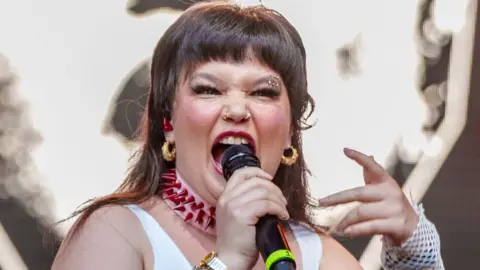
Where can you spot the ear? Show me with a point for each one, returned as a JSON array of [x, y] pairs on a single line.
[[168, 130]]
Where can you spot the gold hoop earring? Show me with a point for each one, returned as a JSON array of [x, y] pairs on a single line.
[[169, 151], [290, 156]]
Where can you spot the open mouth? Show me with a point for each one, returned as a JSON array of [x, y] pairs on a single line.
[[223, 143]]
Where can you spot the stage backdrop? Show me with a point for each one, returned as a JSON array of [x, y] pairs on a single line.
[[389, 78]]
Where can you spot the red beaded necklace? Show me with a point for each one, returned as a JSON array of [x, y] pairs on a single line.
[[186, 203]]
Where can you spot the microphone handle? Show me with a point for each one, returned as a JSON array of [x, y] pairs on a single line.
[[273, 245]]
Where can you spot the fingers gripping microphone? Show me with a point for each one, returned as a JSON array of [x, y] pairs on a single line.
[[270, 238]]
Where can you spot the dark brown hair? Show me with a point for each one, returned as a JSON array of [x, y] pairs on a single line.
[[223, 32]]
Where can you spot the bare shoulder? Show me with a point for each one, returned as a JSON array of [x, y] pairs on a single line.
[[120, 219], [106, 240], [335, 256]]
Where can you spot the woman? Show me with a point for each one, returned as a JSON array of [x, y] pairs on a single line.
[[220, 75]]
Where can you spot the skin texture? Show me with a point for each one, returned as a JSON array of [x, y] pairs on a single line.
[[113, 237]]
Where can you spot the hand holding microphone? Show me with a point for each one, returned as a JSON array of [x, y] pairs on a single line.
[[246, 200]]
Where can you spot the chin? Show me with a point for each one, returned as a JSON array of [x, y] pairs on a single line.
[[215, 184]]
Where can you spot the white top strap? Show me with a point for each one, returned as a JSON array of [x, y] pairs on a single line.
[[310, 246], [170, 256]]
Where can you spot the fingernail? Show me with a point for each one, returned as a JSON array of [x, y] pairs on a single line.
[[347, 230], [348, 150]]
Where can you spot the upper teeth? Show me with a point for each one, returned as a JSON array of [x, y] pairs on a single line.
[[234, 140]]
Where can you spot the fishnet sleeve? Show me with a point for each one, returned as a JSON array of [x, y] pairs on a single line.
[[420, 251]]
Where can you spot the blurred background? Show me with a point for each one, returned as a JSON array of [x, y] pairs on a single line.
[[395, 79]]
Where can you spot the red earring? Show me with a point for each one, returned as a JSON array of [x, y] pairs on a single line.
[[167, 127]]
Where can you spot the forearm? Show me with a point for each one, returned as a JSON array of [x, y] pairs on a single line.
[[420, 251]]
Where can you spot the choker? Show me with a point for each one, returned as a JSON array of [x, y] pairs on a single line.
[[186, 203]]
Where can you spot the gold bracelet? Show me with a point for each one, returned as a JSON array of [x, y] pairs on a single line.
[[196, 267], [211, 262]]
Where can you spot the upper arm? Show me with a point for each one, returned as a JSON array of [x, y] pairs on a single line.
[[335, 256], [99, 244]]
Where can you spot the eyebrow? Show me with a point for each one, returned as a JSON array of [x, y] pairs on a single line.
[[264, 79], [204, 75]]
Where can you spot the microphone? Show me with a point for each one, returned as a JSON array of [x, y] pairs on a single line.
[[270, 238]]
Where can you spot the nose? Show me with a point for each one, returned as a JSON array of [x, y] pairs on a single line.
[[236, 110]]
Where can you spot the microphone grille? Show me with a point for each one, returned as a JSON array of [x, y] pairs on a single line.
[[236, 157]]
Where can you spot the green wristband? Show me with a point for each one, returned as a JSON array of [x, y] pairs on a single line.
[[278, 255]]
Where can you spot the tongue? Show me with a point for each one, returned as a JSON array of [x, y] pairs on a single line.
[[218, 154]]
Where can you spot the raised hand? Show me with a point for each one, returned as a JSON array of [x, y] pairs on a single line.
[[384, 209]]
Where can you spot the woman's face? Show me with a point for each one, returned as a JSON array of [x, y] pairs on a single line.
[[223, 103]]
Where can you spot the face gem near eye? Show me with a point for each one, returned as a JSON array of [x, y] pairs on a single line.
[[240, 89], [274, 81]]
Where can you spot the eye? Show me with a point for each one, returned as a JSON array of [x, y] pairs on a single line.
[[266, 92], [205, 90]]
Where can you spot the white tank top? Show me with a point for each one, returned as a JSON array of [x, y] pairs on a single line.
[[172, 258]]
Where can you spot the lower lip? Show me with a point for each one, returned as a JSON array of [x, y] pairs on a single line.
[[217, 167]]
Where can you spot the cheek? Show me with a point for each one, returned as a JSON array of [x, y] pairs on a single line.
[[273, 123], [273, 130], [195, 116]]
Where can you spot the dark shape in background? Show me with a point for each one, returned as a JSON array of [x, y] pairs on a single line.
[[141, 7], [452, 202], [33, 240], [348, 63], [20, 185], [129, 104]]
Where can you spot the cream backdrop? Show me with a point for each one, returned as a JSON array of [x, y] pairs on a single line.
[[72, 56]]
